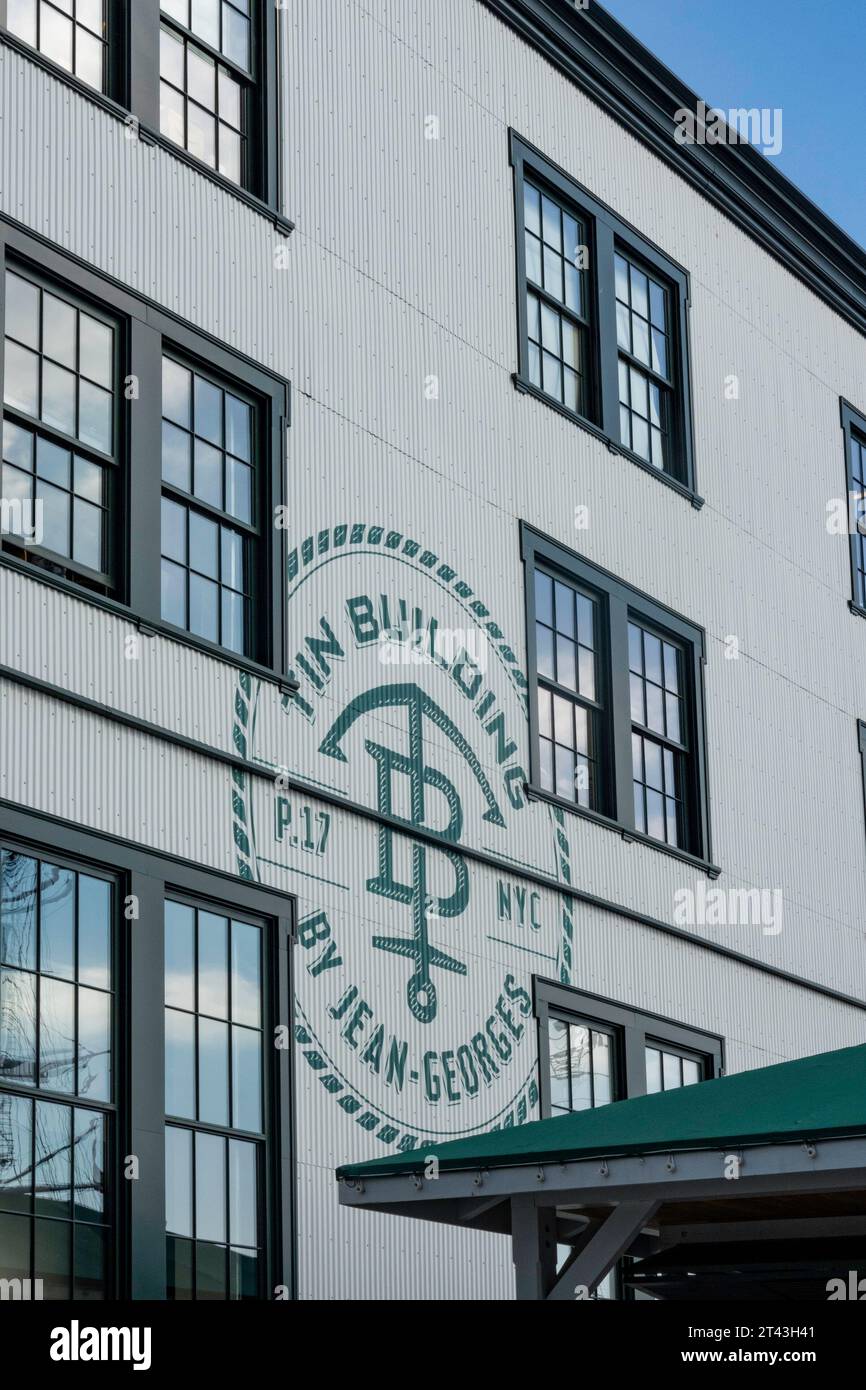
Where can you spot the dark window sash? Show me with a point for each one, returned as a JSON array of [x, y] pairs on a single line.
[[605, 234], [854, 430], [618, 603], [262, 138], [146, 331], [140, 1064], [632, 1029]]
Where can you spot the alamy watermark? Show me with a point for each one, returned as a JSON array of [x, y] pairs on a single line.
[[729, 907], [21, 518], [709, 125], [433, 646]]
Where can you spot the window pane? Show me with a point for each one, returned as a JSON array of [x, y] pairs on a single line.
[[671, 1069], [59, 330], [56, 1035], [18, 1026], [89, 1165], [232, 559], [94, 426], [17, 910], [229, 153], [601, 1069], [205, 21], [203, 545], [246, 974], [21, 20], [53, 1159], [94, 1044], [246, 1079], [179, 1064], [14, 1247], [204, 608], [233, 621], [179, 955], [173, 602], [691, 1071], [171, 113], [544, 651], [213, 1072], [239, 490], [244, 1274], [21, 381], [178, 1180], [242, 1193], [230, 110], [213, 964], [201, 78], [174, 531], [55, 35], [581, 1095], [22, 311], [171, 57], [236, 37], [87, 535], [97, 346], [207, 474], [94, 929], [90, 1263], [176, 392], [210, 1272], [560, 1096], [208, 411], [53, 1258], [179, 1274], [653, 1070], [16, 1164], [210, 1187], [176, 457]]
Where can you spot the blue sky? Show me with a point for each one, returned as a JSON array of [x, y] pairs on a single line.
[[805, 56]]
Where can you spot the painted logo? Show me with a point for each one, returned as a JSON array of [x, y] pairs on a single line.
[[414, 961]]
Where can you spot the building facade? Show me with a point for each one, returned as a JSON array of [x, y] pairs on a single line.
[[430, 641]]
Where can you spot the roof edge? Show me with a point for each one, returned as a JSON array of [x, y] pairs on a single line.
[[613, 68]]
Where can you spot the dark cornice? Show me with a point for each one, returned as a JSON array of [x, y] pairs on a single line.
[[614, 69]]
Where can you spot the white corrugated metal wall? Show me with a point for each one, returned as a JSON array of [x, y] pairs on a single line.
[[401, 267]]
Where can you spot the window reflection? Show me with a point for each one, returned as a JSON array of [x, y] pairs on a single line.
[[214, 1051], [581, 1066], [55, 1050]]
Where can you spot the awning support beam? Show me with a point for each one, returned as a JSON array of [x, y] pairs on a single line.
[[533, 1244], [599, 1254]]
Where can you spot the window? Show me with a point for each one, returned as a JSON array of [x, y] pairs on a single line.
[[60, 427], [214, 1053], [854, 428], [204, 100], [217, 87], [602, 318], [195, 994], [199, 76], [72, 33], [667, 1070], [616, 714], [642, 318], [557, 326], [97, 385], [581, 1065], [208, 515], [659, 764], [56, 1074], [592, 1050]]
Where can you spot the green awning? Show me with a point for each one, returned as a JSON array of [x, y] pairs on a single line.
[[811, 1098]]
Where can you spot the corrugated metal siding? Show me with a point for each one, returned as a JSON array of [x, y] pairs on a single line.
[[402, 268]]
